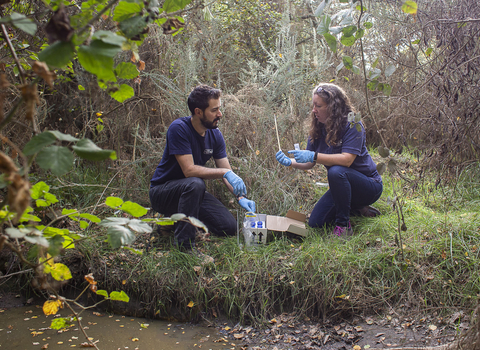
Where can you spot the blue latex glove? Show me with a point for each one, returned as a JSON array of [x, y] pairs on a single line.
[[247, 204], [233, 179], [303, 156], [283, 159]]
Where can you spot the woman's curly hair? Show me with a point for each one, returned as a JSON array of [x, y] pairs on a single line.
[[338, 107]]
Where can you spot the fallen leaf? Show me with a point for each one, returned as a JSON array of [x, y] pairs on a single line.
[[357, 347], [190, 304], [238, 335], [432, 327], [50, 307], [134, 339]]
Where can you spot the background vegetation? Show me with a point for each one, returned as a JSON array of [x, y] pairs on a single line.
[[413, 76]]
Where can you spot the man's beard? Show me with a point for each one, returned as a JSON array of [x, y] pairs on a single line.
[[209, 125]]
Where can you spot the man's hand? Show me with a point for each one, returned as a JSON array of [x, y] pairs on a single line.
[[233, 179], [283, 159], [247, 204], [303, 156]]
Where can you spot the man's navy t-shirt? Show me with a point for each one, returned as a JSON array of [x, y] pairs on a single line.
[[182, 138], [352, 142]]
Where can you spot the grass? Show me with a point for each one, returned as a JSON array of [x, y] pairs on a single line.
[[320, 276]]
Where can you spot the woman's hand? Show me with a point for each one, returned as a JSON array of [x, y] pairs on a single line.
[[283, 159], [303, 156]]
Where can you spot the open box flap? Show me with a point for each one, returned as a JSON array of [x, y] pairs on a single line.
[[286, 224]]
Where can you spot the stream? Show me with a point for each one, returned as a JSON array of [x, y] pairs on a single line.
[[27, 327]]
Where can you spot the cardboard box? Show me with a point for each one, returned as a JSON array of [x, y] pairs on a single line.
[[293, 222]]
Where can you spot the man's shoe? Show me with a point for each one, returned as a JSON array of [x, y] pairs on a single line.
[[367, 211], [343, 231], [204, 258]]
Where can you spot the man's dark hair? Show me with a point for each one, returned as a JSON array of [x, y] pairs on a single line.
[[200, 96]]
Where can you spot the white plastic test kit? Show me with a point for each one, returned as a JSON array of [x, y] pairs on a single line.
[[254, 229]]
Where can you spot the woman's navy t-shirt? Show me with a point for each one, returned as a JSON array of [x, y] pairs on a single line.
[[352, 141], [182, 138]]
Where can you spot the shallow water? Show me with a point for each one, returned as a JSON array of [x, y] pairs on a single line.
[[28, 328]]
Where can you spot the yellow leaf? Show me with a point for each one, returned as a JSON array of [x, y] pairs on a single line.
[[50, 307], [227, 328], [357, 347], [190, 304], [99, 114], [134, 339]]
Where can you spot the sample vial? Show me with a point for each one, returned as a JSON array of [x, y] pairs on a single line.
[[296, 146]]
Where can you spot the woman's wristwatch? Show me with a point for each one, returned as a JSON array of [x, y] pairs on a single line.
[[315, 157]]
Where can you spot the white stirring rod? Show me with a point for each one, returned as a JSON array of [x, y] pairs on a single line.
[[276, 129]]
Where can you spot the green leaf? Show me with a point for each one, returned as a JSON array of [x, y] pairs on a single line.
[[125, 10], [81, 88], [55, 158], [178, 217], [83, 224], [57, 55], [119, 236], [126, 70], [375, 73], [123, 93], [387, 89], [109, 38], [347, 40], [349, 30], [60, 322], [86, 149], [174, 5], [390, 70], [410, 7], [133, 26], [23, 23], [360, 33], [359, 8], [416, 42], [112, 221], [119, 296], [41, 203], [92, 218], [39, 189], [374, 65], [347, 62], [63, 137], [381, 167], [102, 293], [114, 202], [392, 165], [139, 226], [428, 52], [70, 212], [51, 198], [320, 8], [324, 25], [372, 85], [368, 25], [383, 151], [134, 209], [356, 70], [38, 142], [97, 58], [197, 223], [59, 271], [331, 41]]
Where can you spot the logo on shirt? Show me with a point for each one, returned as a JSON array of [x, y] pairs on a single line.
[[208, 151]]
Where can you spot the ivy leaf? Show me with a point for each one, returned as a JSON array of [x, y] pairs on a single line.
[[331, 41], [114, 202], [38, 142], [119, 236], [126, 70], [23, 23], [56, 158], [324, 25], [390, 70], [120, 296], [124, 10], [134, 209], [123, 93], [347, 62], [410, 7], [57, 55], [86, 149], [139, 226]]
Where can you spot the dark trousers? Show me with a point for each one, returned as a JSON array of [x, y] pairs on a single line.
[[349, 189], [189, 196]]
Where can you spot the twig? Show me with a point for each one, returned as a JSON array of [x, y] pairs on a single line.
[[81, 327], [16, 273], [14, 54], [97, 17]]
